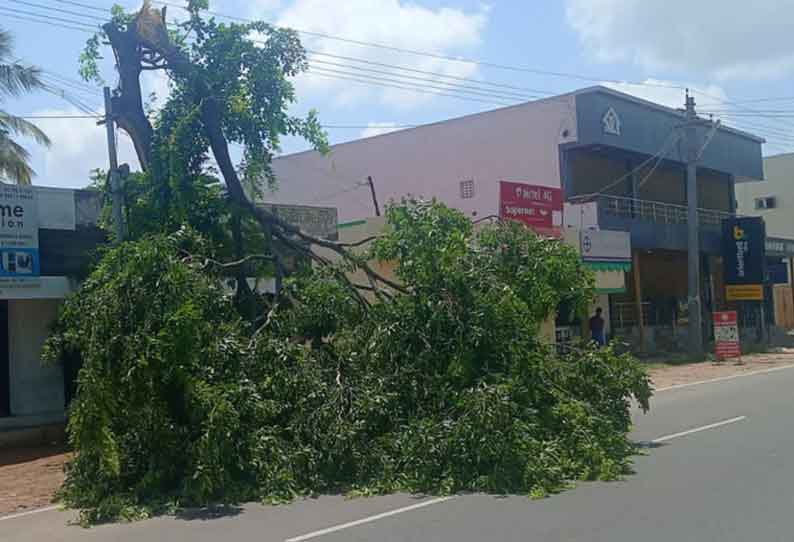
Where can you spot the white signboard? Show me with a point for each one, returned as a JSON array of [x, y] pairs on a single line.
[[317, 221], [605, 246], [19, 237]]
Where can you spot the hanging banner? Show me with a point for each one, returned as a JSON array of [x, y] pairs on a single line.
[[743, 257], [726, 335], [539, 207], [19, 233]]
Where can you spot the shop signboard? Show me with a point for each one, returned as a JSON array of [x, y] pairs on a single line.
[[726, 335], [317, 221], [743, 256], [539, 207], [605, 246], [19, 237]]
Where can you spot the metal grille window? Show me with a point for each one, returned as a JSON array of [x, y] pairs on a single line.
[[467, 189]]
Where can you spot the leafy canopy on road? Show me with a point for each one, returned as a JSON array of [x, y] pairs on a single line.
[[444, 387]]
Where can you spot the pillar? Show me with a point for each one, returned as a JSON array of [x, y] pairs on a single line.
[[635, 269]]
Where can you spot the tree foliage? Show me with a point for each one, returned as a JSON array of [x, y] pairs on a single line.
[[435, 381], [444, 387], [15, 79]]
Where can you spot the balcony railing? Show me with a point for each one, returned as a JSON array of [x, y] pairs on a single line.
[[652, 211]]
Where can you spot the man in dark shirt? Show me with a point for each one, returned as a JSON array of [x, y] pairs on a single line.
[[597, 328]]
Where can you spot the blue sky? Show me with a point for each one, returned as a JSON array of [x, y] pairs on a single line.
[[729, 51]]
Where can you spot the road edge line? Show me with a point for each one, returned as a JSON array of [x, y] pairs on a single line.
[[714, 425], [29, 513], [368, 519], [723, 378]]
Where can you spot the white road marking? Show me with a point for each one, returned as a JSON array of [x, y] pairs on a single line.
[[699, 429], [722, 378], [29, 513], [376, 517]]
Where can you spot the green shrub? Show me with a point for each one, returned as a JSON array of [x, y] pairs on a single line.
[[445, 388]]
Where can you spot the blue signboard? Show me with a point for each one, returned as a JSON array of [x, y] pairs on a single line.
[[19, 232]]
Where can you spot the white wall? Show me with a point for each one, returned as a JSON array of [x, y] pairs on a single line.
[[779, 182], [518, 143], [35, 389]]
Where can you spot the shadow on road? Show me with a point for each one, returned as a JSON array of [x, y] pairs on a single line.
[[209, 512]]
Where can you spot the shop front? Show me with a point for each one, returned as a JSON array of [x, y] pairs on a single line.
[[608, 255], [46, 237]]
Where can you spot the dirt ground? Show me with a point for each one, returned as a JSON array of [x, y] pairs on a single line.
[[29, 477], [664, 375]]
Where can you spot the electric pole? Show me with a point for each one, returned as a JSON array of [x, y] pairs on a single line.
[[115, 180], [693, 228]]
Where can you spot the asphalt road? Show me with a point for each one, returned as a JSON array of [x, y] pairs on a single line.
[[730, 479]]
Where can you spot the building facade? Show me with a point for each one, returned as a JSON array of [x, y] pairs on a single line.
[[42, 256], [773, 200], [618, 161]]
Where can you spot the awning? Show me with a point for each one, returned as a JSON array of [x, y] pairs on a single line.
[[608, 266]]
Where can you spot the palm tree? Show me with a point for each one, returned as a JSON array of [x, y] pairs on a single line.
[[16, 79]]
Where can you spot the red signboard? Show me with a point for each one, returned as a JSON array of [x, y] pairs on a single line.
[[539, 207], [726, 335]]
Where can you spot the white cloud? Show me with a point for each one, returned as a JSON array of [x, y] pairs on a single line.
[[393, 22], [155, 83], [727, 39], [256, 7], [670, 93], [78, 146], [378, 128]]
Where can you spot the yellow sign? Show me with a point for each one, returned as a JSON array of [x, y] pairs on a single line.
[[744, 292]]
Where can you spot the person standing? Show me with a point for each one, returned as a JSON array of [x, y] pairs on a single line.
[[597, 328]]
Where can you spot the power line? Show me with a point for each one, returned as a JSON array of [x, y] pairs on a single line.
[[47, 22], [439, 56], [671, 138], [462, 90], [328, 126], [59, 10], [427, 72], [360, 78], [428, 83], [374, 81], [353, 59], [48, 18], [83, 5]]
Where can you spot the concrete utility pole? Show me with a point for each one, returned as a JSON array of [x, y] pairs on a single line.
[[115, 179], [693, 228]]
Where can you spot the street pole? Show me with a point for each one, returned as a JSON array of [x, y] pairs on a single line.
[[115, 181], [693, 227]]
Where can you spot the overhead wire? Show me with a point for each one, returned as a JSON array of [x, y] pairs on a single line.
[[372, 81], [360, 78], [439, 56], [419, 85], [59, 10], [486, 91], [46, 18], [669, 141], [45, 21]]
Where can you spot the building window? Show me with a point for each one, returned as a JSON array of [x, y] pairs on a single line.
[[467, 189], [767, 202]]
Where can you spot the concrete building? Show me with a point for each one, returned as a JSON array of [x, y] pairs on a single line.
[[43, 252], [617, 160], [773, 200]]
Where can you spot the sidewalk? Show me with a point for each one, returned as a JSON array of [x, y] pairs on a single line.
[[665, 375], [29, 477]]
